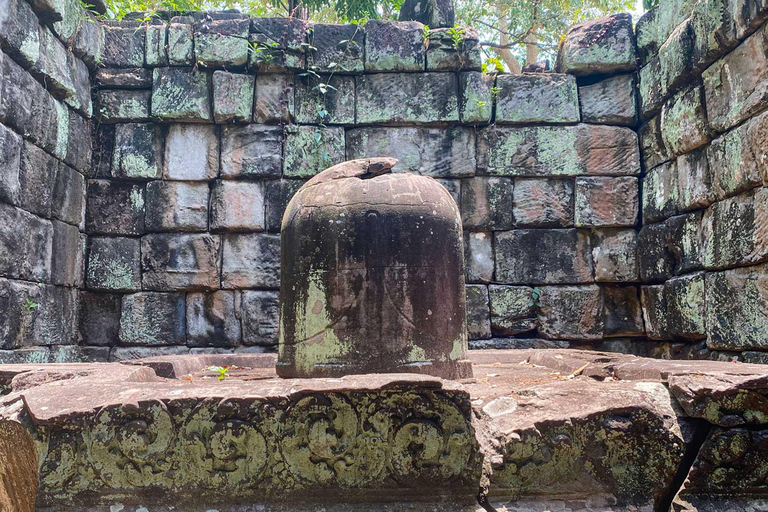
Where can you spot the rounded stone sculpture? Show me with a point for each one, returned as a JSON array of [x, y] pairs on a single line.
[[372, 276]]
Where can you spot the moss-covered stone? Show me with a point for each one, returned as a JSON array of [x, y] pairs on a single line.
[[138, 151], [310, 150], [476, 98], [512, 310], [222, 43], [181, 94], [114, 208], [278, 44], [684, 125], [156, 52], [329, 99], [537, 98], [485, 203], [601, 46], [395, 46], [124, 45], [150, 318], [407, 98], [115, 106], [181, 46], [232, 97], [113, 264], [453, 49], [336, 48]]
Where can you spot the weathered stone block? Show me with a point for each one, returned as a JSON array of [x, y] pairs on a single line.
[[89, 42], [622, 311], [537, 98], [736, 86], [694, 180], [232, 97], [327, 100], [149, 318], [512, 310], [684, 122], [277, 195], [176, 206], [99, 318], [475, 97], [17, 300], [714, 30], [222, 43], [213, 319], [156, 45], [394, 46], [251, 261], [37, 176], [118, 354], [684, 241], [737, 316], [436, 152], [558, 150], [652, 147], [67, 255], [181, 46], [191, 153], [453, 49], [274, 100], [407, 98], [79, 151], [614, 252], [312, 149], [661, 196], [478, 257], [10, 161], [138, 151], [686, 307], [180, 262], [655, 259], [114, 208], [336, 48], [260, 317], [677, 59], [56, 317], [543, 256], [433, 13], [605, 202], [113, 264], [610, 101], [117, 106], [453, 186], [478, 313], [651, 91], [181, 94], [486, 203], [571, 312], [26, 244], [19, 32], [733, 164], [237, 206], [26, 106], [252, 151], [124, 45], [733, 231], [543, 203], [277, 44], [602, 46]]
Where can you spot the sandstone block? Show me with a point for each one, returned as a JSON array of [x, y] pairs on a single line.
[[571, 312], [327, 100], [37, 176], [475, 97], [176, 206], [453, 49], [394, 46], [252, 151], [407, 98], [99, 318], [149, 318], [337, 48], [602, 46], [89, 42], [661, 196], [737, 317], [478, 257], [684, 122], [652, 91], [277, 195], [121, 105], [191, 153], [655, 259], [138, 151], [274, 100], [222, 43], [10, 160], [622, 311], [436, 152], [19, 301], [610, 101], [124, 45], [114, 208], [513, 310], [677, 59], [56, 317], [614, 252], [113, 264], [118, 354], [478, 313], [734, 167], [312, 149], [606, 202], [237, 206], [251, 261], [543, 203], [232, 97], [26, 245], [19, 32], [733, 231], [156, 45], [486, 203], [277, 44], [181, 94], [260, 317], [558, 151], [453, 186], [543, 256], [79, 152], [694, 179], [181, 46], [27, 107], [436, 14], [684, 241], [51, 66], [652, 147], [180, 262], [686, 306], [213, 319], [537, 98], [67, 255]]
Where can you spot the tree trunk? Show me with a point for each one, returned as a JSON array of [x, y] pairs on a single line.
[[505, 54], [532, 49]]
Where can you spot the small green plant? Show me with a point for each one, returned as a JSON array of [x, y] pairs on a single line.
[[498, 67], [457, 37], [495, 92], [30, 305], [535, 298], [220, 370], [425, 34], [480, 103]]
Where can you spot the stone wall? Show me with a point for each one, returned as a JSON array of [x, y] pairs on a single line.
[[704, 236]]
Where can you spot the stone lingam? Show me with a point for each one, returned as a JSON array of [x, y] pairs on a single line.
[[372, 276]]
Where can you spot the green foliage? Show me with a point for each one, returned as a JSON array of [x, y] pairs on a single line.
[[30, 305], [535, 298], [220, 370], [457, 37], [495, 62]]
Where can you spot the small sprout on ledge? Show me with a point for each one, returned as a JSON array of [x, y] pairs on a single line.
[[457, 36], [222, 371]]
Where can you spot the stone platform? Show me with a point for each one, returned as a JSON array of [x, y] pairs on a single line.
[[533, 430]]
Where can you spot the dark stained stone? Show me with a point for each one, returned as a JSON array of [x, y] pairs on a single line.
[[453, 49], [610, 101], [114, 208], [512, 310], [337, 48], [277, 44], [213, 319], [251, 151], [434, 13], [250, 261], [176, 206], [394, 46], [181, 94], [10, 157], [149, 318], [486, 203], [79, 152], [99, 318], [260, 315], [407, 98], [180, 262], [571, 312], [546, 203], [113, 264], [67, 256], [26, 243], [277, 195], [37, 176], [537, 98], [121, 105], [737, 317], [274, 102], [622, 311], [652, 147], [124, 45], [602, 46], [19, 32], [615, 253], [334, 106], [232, 97], [138, 151], [478, 312]]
